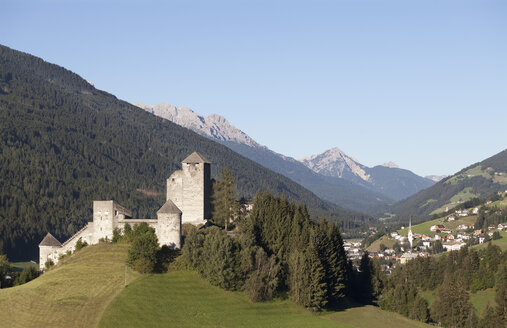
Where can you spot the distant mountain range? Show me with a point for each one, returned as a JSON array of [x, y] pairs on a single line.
[[332, 175], [387, 179]]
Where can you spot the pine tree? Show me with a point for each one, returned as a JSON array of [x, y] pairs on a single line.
[[501, 292], [225, 205], [420, 309], [490, 318], [452, 305]]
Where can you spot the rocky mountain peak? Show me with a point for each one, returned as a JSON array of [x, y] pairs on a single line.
[[213, 126], [334, 162], [391, 165]]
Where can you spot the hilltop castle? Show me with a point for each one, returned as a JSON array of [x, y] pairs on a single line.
[[187, 201]]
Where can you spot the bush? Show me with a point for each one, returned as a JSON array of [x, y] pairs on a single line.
[[142, 254], [215, 256], [143, 265], [49, 264], [26, 275], [80, 244]]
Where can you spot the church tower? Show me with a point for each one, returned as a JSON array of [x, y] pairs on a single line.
[[410, 235], [190, 189]]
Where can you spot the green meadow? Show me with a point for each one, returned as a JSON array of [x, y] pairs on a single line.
[[72, 294], [88, 289], [183, 299]]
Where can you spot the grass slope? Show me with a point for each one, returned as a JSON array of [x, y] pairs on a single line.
[[183, 299], [424, 228], [478, 300], [371, 316], [502, 242], [480, 179], [73, 294]]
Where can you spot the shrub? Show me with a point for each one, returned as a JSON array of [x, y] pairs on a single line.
[[49, 264], [80, 244], [26, 275], [142, 254]]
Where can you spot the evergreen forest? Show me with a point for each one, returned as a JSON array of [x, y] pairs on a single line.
[[64, 143]]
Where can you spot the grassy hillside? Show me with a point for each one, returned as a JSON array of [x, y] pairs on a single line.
[[424, 228], [64, 143], [73, 294], [183, 299], [87, 290], [478, 180], [478, 300]]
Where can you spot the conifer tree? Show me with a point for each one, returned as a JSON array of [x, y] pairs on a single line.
[[501, 292], [225, 205], [452, 305], [490, 318], [420, 309]]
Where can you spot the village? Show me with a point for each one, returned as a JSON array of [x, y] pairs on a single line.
[[451, 232]]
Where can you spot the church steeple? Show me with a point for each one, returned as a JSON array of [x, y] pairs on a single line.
[[410, 235]]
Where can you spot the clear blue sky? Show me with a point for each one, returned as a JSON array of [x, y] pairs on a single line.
[[421, 83]]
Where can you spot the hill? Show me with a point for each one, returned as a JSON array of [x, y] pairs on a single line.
[[195, 303], [64, 143], [478, 180], [74, 294], [87, 290]]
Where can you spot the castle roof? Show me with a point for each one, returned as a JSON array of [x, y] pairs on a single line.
[[49, 240], [169, 208], [195, 157]]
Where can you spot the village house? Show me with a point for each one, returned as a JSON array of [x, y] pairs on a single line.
[[462, 227], [437, 227], [462, 212], [405, 257], [453, 245]]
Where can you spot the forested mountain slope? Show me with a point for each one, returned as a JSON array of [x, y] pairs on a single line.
[[477, 180], [64, 143]]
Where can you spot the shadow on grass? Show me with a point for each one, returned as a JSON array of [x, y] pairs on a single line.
[[344, 304]]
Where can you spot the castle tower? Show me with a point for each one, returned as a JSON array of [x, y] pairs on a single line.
[[106, 214], [190, 189], [168, 228], [410, 235], [49, 249]]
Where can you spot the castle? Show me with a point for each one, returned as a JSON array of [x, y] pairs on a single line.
[[187, 201]]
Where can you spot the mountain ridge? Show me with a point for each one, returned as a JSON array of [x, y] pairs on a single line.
[[477, 180], [345, 182]]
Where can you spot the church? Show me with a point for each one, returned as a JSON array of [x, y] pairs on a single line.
[[187, 201]]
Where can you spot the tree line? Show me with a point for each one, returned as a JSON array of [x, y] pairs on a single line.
[[452, 278]]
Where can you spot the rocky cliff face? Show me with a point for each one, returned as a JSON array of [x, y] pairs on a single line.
[[213, 126]]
